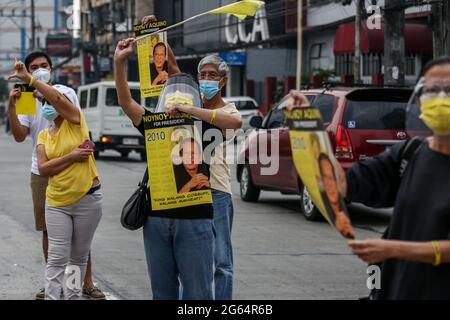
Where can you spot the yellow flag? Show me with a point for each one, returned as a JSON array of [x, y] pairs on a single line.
[[240, 9], [26, 104]]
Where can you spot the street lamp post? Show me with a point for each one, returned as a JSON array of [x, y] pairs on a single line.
[[357, 61], [299, 43]]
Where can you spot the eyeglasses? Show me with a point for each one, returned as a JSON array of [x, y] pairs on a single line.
[[433, 90], [210, 75]]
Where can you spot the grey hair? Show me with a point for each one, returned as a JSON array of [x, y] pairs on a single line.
[[213, 59]]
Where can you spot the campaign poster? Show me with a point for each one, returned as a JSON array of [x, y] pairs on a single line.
[[153, 62], [175, 162], [26, 105], [315, 164]]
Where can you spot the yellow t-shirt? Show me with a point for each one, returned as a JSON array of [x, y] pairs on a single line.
[[71, 184]]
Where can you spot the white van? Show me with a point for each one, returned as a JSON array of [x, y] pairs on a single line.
[[109, 126]]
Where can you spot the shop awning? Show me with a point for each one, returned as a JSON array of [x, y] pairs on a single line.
[[418, 39]]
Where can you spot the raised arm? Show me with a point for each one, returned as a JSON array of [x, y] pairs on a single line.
[[133, 110], [222, 120], [60, 102], [18, 130], [173, 65]]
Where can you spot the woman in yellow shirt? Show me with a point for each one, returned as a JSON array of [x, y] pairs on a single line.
[[74, 201]]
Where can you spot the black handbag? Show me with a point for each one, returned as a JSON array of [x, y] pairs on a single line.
[[134, 212]]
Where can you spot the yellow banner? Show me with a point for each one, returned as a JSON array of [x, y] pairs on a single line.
[[317, 167], [240, 9], [27, 103]]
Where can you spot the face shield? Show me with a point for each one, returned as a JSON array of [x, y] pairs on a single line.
[[179, 89], [428, 110]]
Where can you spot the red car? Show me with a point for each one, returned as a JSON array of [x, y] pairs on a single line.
[[361, 123]]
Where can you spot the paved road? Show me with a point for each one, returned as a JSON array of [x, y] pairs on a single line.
[[278, 254]]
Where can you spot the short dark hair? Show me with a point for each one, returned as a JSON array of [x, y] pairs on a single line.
[[436, 62], [37, 54], [159, 44]]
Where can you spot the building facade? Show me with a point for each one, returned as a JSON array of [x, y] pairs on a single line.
[[262, 50], [15, 17], [329, 40], [255, 48]]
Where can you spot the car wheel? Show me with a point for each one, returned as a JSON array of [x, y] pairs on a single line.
[[96, 154], [143, 155], [308, 208], [249, 192]]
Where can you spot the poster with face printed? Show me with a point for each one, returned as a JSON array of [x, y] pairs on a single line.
[[315, 164], [178, 176], [152, 58]]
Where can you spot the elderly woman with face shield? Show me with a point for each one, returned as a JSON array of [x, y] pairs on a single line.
[[415, 250]]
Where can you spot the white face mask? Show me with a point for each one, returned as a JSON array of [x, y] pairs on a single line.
[[42, 74]]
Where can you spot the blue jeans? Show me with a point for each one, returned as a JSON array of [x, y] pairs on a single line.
[[179, 255], [223, 250]]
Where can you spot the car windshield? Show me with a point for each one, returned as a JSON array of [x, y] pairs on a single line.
[[245, 105], [376, 109], [325, 103], [111, 97], [376, 115]]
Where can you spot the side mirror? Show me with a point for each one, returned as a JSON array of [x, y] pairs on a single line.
[[256, 122]]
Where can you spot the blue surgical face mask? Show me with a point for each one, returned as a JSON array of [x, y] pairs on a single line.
[[49, 112], [209, 88]]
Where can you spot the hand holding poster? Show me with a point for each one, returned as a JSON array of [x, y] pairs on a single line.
[[152, 58], [317, 167]]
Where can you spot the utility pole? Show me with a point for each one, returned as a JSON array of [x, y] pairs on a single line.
[[437, 26], [78, 34], [113, 24], [446, 20], [394, 47], [33, 31], [299, 43], [21, 26], [23, 45], [133, 13], [92, 41], [357, 60], [56, 14]]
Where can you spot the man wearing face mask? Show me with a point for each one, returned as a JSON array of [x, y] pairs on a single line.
[[415, 250], [39, 65]]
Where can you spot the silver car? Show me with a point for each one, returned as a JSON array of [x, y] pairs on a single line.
[[247, 106]]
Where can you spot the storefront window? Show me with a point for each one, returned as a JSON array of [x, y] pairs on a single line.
[[315, 53], [372, 63]]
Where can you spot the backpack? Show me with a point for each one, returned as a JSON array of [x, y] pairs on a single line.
[[408, 151]]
